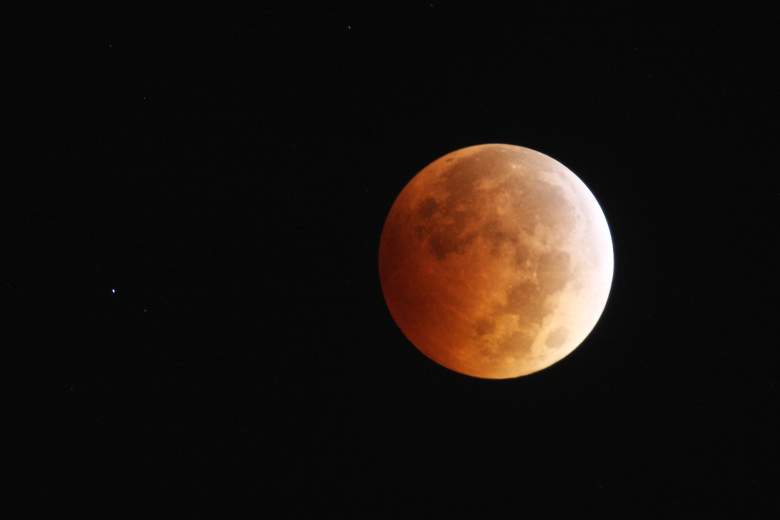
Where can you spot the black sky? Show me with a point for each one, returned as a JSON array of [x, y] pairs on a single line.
[[229, 180]]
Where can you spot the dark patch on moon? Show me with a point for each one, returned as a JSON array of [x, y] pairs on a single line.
[[553, 271], [557, 337], [427, 208], [484, 327], [496, 233], [466, 203], [516, 343], [521, 255], [443, 243], [522, 300]]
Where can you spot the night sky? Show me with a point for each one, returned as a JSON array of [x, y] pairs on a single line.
[[221, 194]]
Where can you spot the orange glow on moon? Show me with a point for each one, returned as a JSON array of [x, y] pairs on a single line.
[[496, 261]]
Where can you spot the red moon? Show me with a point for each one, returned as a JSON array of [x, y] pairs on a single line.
[[496, 261]]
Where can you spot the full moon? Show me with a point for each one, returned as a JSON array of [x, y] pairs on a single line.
[[496, 261]]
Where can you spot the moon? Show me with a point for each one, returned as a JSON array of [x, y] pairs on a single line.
[[496, 261]]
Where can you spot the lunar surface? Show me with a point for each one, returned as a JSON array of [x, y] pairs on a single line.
[[496, 261]]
